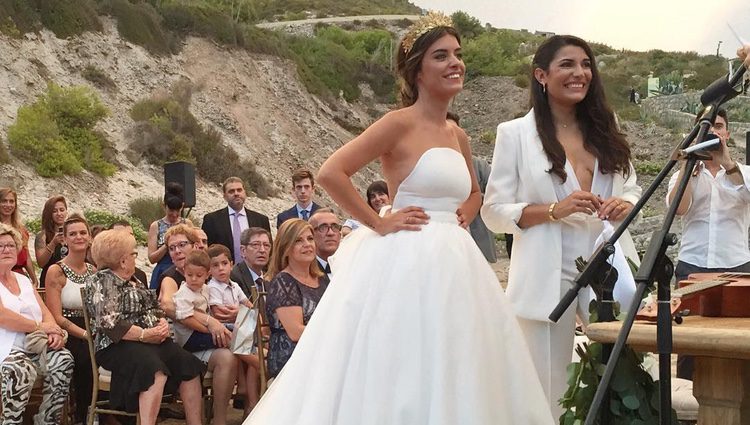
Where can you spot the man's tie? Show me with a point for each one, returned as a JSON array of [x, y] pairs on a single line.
[[259, 284], [236, 233], [328, 268], [305, 214]]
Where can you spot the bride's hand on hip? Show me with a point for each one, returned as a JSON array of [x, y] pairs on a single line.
[[614, 209], [409, 218], [578, 201], [462, 219]]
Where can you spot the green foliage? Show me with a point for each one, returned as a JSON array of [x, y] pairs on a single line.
[[467, 25], [166, 130], [338, 60], [67, 18], [98, 77], [499, 52], [141, 24], [106, 218], [33, 225], [4, 158], [634, 396], [146, 210], [56, 133], [202, 19], [488, 137], [272, 10], [647, 168], [18, 17]]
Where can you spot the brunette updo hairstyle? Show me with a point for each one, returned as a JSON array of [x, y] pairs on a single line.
[[174, 196], [601, 135], [409, 64]]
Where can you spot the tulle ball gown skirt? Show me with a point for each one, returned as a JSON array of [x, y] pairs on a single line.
[[414, 329]]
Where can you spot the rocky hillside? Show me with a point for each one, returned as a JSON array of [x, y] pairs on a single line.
[[256, 101]]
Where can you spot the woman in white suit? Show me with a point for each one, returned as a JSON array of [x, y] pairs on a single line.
[[557, 173]]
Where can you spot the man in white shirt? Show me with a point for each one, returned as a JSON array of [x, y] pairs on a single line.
[[715, 214], [327, 233]]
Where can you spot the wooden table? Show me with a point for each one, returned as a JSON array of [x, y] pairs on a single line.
[[721, 381]]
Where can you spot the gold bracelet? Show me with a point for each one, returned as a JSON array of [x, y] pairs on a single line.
[[551, 210]]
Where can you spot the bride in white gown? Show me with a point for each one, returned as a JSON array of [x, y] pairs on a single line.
[[414, 328]]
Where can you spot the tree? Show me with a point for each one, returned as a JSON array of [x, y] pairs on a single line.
[[467, 25]]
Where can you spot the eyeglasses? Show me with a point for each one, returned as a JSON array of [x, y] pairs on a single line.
[[8, 246], [179, 245], [325, 227], [256, 245]]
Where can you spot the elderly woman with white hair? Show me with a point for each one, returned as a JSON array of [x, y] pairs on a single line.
[[31, 343], [132, 336]]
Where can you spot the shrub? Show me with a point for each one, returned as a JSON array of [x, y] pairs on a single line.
[[166, 130], [67, 18], [146, 210], [33, 225], [106, 218], [4, 158], [18, 17], [56, 133], [98, 77], [141, 24]]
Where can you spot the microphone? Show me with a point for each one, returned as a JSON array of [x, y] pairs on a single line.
[[725, 88]]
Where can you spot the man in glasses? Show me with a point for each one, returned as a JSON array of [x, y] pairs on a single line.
[[256, 252], [327, 232]]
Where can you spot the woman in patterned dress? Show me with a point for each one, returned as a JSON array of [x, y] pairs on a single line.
[[132, 337], [22, 312]]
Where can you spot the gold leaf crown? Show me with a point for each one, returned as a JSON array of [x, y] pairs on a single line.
[[423, 25]]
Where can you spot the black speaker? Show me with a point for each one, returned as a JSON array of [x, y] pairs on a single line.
[[747, 148], [183, 173]]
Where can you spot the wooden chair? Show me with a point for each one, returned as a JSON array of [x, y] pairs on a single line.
[[259, 302], [102, 379]]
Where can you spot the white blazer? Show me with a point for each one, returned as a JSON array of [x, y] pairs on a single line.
[[518, 178]]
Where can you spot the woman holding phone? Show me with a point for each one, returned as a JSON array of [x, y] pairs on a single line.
[[48, 246]]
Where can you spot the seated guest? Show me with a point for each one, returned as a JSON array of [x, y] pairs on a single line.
[[224, 295], [48, 245], [63, 285], [377, 198], [201, 240], [202, 334], [225, 226], [9, 215], [248, 273], [22, 312], [327, 232], [180, 240], [132, 337], [125, 225], [303, 188], [377, 195], [173, 203], [256, 250], [295, 289]]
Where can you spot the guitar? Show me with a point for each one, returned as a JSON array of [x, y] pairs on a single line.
[[706, 294]]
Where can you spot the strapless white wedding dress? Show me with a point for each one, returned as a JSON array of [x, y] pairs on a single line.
[[414, 328]]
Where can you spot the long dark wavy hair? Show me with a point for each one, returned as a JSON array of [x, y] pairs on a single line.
[[601, 135], [409, 64]]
